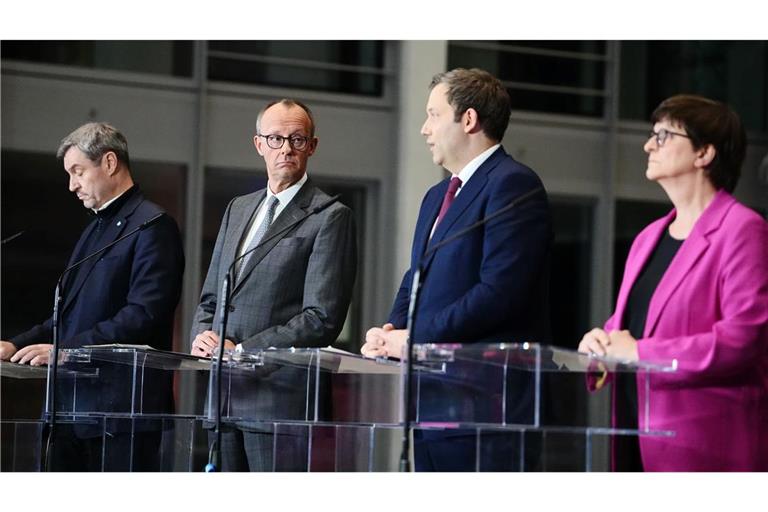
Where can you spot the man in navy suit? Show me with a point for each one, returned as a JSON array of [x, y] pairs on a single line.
[[490, 284], [126, 295]]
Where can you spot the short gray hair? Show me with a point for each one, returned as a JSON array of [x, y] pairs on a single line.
[[287, 102], [94, 140]]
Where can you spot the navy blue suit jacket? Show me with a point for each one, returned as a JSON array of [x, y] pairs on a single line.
[[491, 284], [127, 295]]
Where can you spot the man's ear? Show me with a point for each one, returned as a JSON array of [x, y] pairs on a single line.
[[257, 143], [312, 146], [470, 121], [109, 162]]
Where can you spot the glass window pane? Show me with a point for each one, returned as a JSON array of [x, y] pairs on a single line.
[[351, 53], [556, 103], [571, 269], [349, 82], [595, 47], [735, 72], [569, 294], [173, 58], [249, 62], [533, 69], [533, 78]]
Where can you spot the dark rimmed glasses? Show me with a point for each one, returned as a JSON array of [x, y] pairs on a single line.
[[297, 142], [663, 134]]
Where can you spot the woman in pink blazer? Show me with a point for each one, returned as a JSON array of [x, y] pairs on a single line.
[[695, 290]]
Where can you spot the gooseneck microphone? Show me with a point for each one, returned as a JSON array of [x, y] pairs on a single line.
[[214, 454], [12, 237], [50, 405], [412, 307]]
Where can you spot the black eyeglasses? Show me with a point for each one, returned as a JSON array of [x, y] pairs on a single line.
[[663, 134], [297, 142]]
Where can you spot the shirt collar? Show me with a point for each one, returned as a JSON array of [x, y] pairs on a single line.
[[288, 194], [103, 208], [475, 164]]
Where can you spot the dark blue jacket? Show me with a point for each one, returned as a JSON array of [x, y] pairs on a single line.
[[490, 284], [129, 293]]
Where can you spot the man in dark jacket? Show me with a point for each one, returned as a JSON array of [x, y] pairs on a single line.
[[128, 294]]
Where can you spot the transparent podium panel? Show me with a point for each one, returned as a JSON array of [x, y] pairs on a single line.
[[121, 380], [326, 447], [22, 390], [330, 447], [20, 443], [22, 397], [512, 449], [121, 444], [519, 387], [304, 385], [115, 412]]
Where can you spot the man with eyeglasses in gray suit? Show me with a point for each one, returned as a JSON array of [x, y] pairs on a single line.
[[292, 284]]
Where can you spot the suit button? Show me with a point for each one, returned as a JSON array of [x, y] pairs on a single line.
[[231, 308]]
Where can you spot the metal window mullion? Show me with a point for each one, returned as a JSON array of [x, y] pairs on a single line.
[[562, 89], [193, 226], [496, 47], [97, 75], [601, 272], [300, 63]]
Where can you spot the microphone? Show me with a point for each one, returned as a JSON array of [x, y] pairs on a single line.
[[12, 237], [50, 404], [214, 454], [414, 298]]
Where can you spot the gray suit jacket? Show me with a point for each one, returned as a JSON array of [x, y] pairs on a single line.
[[294, 291]]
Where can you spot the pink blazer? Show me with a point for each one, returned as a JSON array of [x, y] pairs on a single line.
[[710, 314]]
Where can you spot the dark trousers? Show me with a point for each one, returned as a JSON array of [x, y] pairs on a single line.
[[244, 450], [508, 451], [121, 451]]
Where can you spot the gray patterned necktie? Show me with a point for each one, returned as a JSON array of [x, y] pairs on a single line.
[[272, 203]]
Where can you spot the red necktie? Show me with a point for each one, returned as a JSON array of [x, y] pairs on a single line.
[[453, 186]]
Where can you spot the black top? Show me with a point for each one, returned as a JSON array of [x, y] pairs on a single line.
[[627, 448]]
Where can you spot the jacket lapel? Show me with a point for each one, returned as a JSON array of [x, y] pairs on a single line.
[[240, 222], [468, 194], [111, 232], [692, 250], [77, 255], [296, 211], [421, 238]]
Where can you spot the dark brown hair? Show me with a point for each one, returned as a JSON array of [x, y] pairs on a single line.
[[709, 122], [480, 90]]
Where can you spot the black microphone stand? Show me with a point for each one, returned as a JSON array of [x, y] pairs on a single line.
[[405, 465], [214, 454], [50, 405]]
